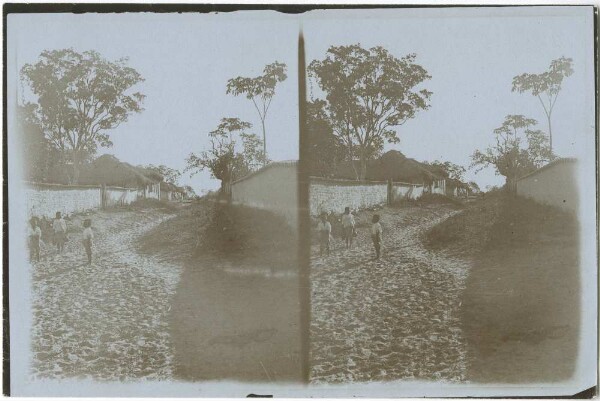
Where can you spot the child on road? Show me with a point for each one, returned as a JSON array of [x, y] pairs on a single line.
[[348, 227], [59, 225], [88, 237], [376, 232], [35, 235], [324, 229]]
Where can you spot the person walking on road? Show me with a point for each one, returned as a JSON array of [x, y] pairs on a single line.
[[35, 236], [324, 229], [376, 232], [88, 239], [348, 227], [59, 225]]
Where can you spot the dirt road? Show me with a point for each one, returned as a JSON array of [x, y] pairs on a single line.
[[396, 318], [107, 321]]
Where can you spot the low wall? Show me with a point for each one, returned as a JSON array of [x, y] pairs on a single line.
[[406, 191], [327, 195], [116, 196], [44, 200], [273, 188], [553, 184]]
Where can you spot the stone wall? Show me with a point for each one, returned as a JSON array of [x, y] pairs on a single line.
[[553, 184], [44, 200], [273, 188], [326, 195]]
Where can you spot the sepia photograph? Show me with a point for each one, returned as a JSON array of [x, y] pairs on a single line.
[[300, 201]]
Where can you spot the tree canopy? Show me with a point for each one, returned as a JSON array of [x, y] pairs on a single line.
[[80, 97], [368, 93], [234, 153], [169, 174], [260, 90], [545, 86], [518, 149]]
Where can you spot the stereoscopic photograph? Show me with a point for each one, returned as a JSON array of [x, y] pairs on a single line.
[[296, 202]]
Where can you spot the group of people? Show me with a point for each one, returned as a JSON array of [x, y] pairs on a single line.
[[348, 232], [59, 236]]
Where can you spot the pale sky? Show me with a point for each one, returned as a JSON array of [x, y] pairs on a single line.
[[471, 53]]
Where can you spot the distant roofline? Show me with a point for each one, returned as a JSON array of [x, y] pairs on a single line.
[[283, 163], [551, 164]]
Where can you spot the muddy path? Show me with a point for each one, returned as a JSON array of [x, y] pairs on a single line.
[[107, 321], [396, 318]]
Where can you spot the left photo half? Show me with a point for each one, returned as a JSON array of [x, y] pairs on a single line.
[[153, 203]]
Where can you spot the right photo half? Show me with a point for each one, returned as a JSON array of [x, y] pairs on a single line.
[[450, 156]]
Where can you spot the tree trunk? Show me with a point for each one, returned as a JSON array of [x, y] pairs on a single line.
[[76, 168], [550, 134], [363, 168], [264, 142], [226, 190], [511, 185]]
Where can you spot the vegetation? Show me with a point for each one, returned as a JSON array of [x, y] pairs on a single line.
[[454, 171], [509, 156], [368, 92], [234, 153], [545, 86], [80, 98], [169, 174], [260, 90]]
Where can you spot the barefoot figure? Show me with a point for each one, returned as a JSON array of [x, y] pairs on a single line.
[[88, 238], [376, 232], [324, 229], [59, 225], [35, 236], [348, 227]]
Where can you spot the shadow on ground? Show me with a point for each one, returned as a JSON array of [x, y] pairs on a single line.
[[520, 308], [235, 314]]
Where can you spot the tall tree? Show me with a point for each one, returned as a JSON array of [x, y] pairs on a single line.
[[80, 97], [545, 86], [518, 150], [325, 150], [260, 90], [454, 171], [169, 174], [233, 153], [368, 93]]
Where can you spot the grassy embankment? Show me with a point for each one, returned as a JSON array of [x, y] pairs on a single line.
[[520, 308]]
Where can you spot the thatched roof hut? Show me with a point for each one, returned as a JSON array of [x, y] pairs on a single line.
[[109, 170], [395, 166]]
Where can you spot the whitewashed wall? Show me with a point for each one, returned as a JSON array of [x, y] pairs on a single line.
[[334, 195], [115, 196], [273, 188], [44, 200], [406, 191], [553, 184]]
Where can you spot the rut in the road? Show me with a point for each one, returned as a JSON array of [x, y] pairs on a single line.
[[107, 321], [396, 318]]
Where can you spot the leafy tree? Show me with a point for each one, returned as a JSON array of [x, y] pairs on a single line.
[[325, 150], [454, 171], [80, 97], [260, 90], [473, 187], [545, 86], [189, 192], [510, 157], [169, 174], [234, 153], [368, 93]]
